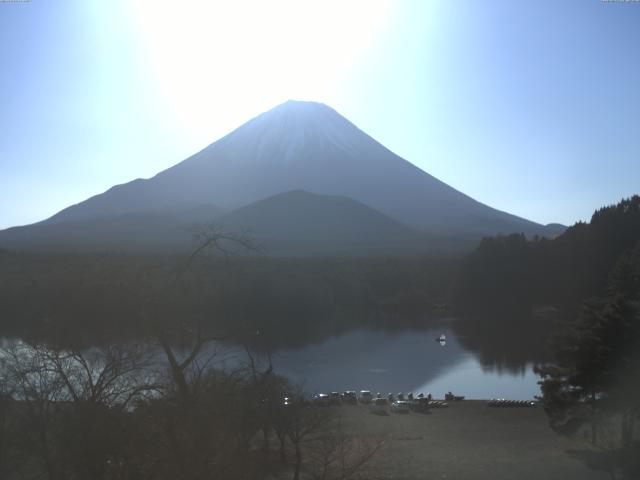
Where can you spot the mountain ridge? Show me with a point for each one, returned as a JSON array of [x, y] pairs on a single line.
[[306, 223], [289, 223], [305, 146]]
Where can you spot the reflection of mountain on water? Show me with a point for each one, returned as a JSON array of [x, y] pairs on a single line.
[[469, 378], [501, 344], [378, 360], [505, 343], [386, 360], [400, 360]]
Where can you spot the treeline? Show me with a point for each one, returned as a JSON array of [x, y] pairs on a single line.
[[125, 411], [578, 296], [590, 388], [511, 290], [513, 274], [286, 300]]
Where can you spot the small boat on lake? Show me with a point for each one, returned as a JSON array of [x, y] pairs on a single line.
[[441, 339]]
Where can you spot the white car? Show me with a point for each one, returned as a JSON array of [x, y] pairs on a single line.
[[365, 396], [379, 406], [321, 399], [400, 406]]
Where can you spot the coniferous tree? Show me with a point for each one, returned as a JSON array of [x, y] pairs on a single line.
[[593, 380]]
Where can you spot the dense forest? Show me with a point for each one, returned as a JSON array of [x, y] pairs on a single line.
[[579, 296], [590, 386], [507, 293], [511, 290], [514, 274], [97, 297]]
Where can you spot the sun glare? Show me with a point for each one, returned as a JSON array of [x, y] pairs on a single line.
[[228, 61]]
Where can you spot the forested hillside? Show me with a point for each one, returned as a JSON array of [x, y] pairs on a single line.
[[288, 300], [513, 274], [511, 289]]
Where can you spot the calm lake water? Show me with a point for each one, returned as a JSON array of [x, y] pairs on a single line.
[[401, 361], [392, 361]]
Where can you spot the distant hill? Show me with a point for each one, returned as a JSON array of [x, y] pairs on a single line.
[[299, 223], [295, 146], [291, 223], [142, 231]]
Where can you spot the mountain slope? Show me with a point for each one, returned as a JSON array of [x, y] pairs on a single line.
[[140, 231], [291, 223], [308, 146], [299, 222]]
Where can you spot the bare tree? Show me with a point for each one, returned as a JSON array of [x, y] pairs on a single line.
[[71, 405], [112, 375], [208, 238], [338, 456], [38, 391], [6, 431], [304, 425]]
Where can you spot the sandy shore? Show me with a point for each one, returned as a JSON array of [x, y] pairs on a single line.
[[468, 440]]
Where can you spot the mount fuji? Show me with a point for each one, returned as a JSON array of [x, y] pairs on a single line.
[[302, 147]]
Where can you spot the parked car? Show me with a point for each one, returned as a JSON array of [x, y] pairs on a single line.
[[420, 405], [390, 398], [350, 397], [365, 396], [335, 398], [400, 406], [379, 406], [321, 399]]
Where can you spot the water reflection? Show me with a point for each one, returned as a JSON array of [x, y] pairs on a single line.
[[395, 361], [428, 360], [505, 342]]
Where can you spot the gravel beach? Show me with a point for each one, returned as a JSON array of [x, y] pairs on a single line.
[[467, 440]]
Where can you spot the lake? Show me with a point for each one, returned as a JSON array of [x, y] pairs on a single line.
[[401, 361], [383, 360]]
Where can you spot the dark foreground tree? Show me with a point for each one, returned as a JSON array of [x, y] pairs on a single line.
[[593, 382], [66, 408]]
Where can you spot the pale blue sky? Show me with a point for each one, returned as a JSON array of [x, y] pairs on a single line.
[[532, 107]]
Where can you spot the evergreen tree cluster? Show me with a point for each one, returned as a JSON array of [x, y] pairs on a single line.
[[592, 381], [512, 273], [591, 275]]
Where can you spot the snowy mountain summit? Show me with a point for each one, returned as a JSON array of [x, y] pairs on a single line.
[[296, 125]]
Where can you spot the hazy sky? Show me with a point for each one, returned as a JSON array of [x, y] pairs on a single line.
[[532, 107]]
